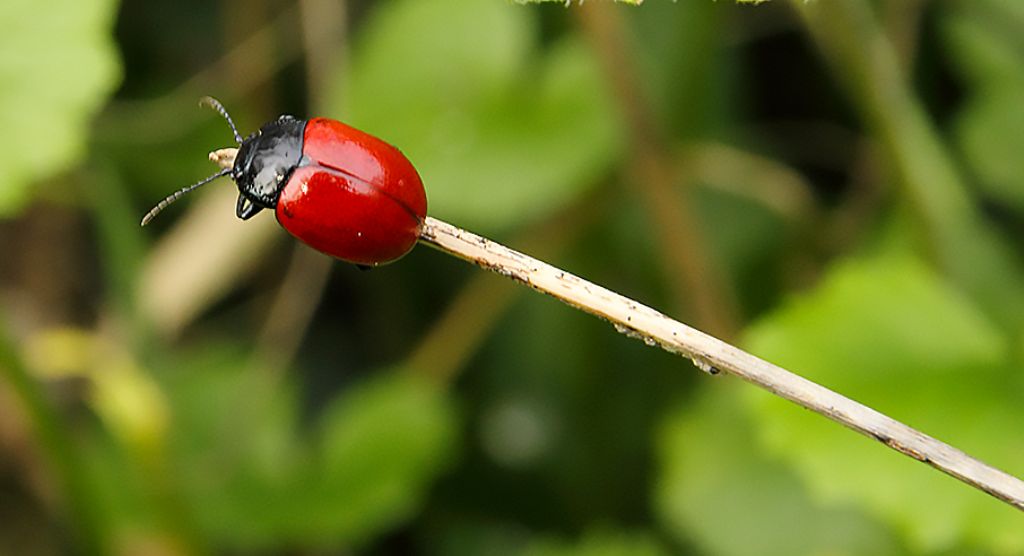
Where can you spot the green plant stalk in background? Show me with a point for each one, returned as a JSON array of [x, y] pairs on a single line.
[[77, 493]]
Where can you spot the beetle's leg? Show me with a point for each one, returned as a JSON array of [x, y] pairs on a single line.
[[245, 208]]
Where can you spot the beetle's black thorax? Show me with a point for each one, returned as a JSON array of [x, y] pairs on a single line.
[[264, 163]]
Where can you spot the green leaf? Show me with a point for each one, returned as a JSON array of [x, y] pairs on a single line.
[[990, 132], [887, 331], [716, 489], [500, 130], [58, 63], [600, 542], [569, 3], [983, 38], [382, 446], [234, 451], [256, 485]]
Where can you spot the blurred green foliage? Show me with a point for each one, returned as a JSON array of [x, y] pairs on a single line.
[[59, 65], [731, 497], [984, 49], [859, 207], [502, 130], [913, 348]]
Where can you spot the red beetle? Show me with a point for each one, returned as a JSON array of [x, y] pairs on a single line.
[[339, 190]]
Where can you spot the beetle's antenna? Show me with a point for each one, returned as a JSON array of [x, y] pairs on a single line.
[[177, 194], [216, 105]]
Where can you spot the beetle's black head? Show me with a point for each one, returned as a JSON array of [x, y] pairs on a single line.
[[264, 163]]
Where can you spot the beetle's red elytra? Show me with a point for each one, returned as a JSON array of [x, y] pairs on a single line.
[[355, 197], [341, 191]]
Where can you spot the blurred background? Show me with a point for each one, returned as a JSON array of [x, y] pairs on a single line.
[[836, 186]]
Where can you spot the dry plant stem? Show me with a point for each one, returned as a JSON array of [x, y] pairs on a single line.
[[324, 38], [708, 353], [292, 309], [248, 17], [692, 277], [474, 312], [712, 355]]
